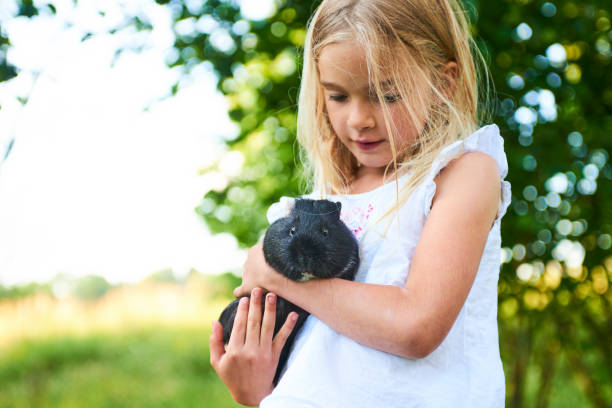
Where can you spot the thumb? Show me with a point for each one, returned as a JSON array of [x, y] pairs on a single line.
[[216, 346], [238, 291]]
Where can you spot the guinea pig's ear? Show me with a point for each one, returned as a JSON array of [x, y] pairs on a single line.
[[339, 207]]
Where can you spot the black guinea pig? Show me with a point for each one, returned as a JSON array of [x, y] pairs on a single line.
[[311, 242]]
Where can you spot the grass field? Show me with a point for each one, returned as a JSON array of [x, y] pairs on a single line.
[[138, 346], [146, 367], [144, 345]]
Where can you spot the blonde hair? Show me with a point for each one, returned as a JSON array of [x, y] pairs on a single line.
[[424, 35]]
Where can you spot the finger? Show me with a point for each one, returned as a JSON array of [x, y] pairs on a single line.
[[216, 343], [254, 320], [238, 291], [239, 329], [269, 319], [284, 332]]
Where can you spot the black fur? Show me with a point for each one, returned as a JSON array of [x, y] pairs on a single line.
[[311, 240]]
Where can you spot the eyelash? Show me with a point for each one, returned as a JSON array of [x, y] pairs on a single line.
[[388, 98], [392, 98], [337, 98]]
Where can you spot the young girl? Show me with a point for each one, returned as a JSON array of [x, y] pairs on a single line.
[[388, 119]]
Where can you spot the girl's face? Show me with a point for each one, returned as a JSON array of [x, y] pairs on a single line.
[[354, 111]]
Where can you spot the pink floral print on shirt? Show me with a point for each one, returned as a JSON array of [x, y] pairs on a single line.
[[356, 219]]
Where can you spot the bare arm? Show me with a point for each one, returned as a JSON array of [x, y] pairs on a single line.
[[410, 321]]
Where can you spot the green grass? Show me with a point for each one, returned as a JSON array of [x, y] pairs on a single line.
[[153, 367], [148, 367]]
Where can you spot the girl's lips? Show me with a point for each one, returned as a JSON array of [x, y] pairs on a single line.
[[368, 145]]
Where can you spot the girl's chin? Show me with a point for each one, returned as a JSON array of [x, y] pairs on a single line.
[[374, 159]]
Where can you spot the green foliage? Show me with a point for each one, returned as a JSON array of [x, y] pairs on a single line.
[[90, 287], [221, 286], [537, 150], [21, 291], [258, 70], [7, 71], [164, 275], [23, 8], [561, 182]]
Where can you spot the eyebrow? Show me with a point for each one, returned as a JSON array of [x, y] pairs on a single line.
[[383, 84], [331, 85]]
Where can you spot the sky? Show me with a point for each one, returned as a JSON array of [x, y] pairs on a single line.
[[104, 174]]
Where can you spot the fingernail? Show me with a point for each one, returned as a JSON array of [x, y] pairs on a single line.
[[294, 317], [256, 293], [270, 298], [244, 300]]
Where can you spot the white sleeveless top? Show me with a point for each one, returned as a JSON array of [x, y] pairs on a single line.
[[328, 370]]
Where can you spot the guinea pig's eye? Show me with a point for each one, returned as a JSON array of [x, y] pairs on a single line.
[[292, 231], [324, 231]]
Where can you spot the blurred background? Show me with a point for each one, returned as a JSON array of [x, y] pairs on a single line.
[[141, 142]]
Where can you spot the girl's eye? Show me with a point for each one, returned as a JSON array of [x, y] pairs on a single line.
[[392, 98], [324, 231], [389, 98], [292, 231], [337, 98]]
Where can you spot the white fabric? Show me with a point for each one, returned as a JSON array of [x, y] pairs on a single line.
[[327, 369]]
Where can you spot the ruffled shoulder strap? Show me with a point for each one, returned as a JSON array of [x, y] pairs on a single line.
[[487, 140], [280, 209]]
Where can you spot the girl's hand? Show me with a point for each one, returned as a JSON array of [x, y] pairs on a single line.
[[248, 364], [256, 272]]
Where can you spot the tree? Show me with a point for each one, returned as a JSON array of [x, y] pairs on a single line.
[[553, 105], [23, 8], [550, 63]]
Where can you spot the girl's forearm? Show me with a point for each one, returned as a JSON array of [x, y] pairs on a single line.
[[378, 316]]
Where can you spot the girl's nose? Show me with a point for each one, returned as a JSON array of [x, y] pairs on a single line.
[[361, 116]]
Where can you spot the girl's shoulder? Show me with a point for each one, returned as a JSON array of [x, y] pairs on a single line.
[[471, 178], [487, 140], [475, 166]]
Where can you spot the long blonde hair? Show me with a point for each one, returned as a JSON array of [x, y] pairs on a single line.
[[424, 35]]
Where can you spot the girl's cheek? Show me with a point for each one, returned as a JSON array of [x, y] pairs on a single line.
[[333, 118]]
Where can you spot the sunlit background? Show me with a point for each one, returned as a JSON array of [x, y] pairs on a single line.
[[141, 142], [102, 165], [106, 166]]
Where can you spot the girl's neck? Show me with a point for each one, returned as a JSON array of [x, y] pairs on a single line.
[[368, 179]]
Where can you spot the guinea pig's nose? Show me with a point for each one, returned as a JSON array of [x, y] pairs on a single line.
[[308, 246]]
